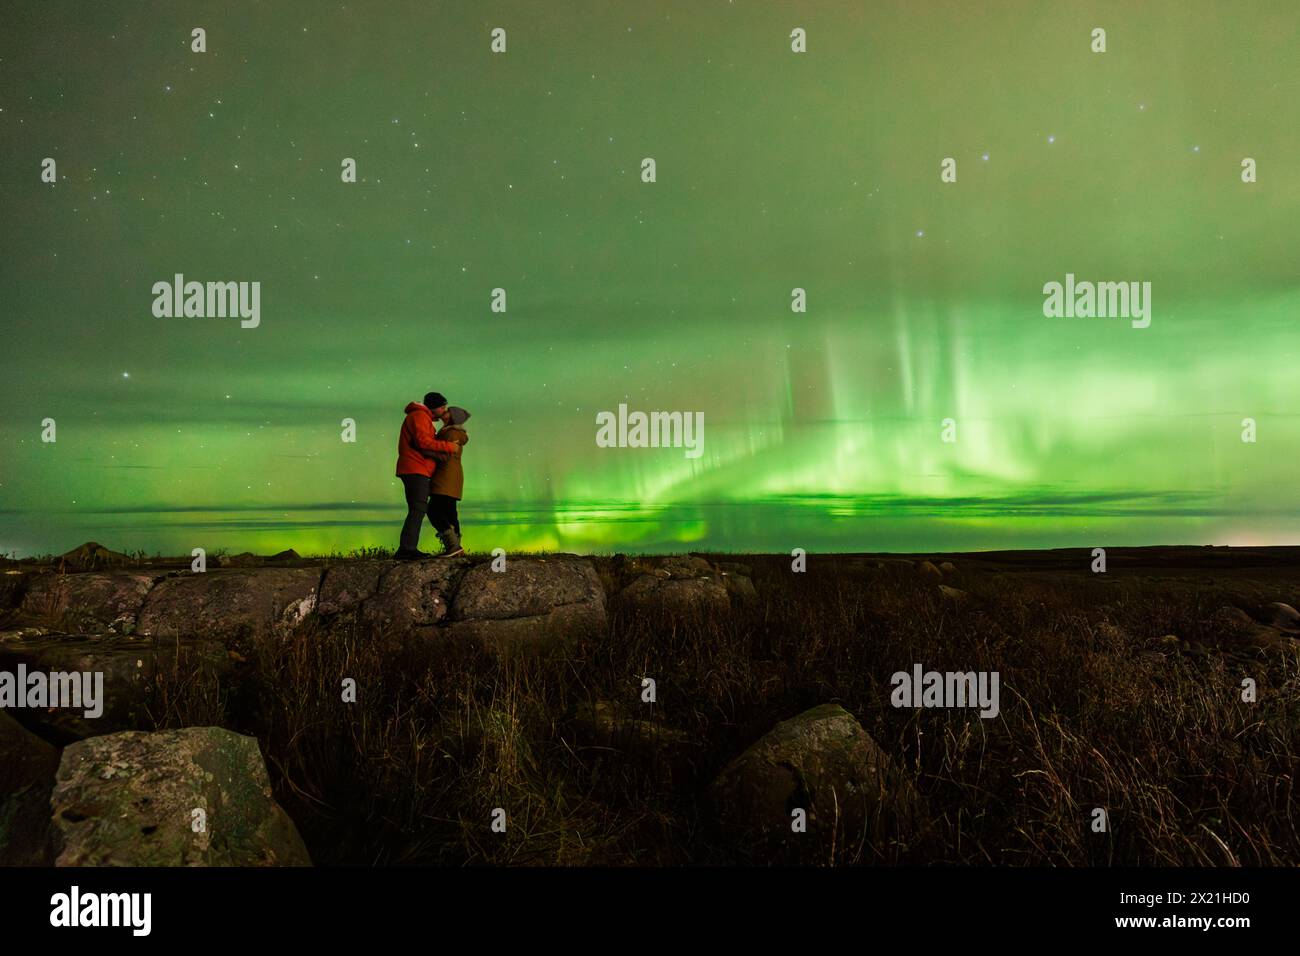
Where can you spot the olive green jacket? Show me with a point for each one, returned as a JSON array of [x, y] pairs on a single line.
[[449, 478]]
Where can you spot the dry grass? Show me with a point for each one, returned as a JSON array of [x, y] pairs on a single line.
[[1090, 717]]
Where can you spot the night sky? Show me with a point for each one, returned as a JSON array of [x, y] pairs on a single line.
[[775, 171]]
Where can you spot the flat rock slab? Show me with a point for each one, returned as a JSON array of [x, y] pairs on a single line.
[[350, 584], [227, 603], [678, 595], [531, 604], [683, 584], [413, 594], [129, 799], [92, 601], [27, 768], [527, 587]]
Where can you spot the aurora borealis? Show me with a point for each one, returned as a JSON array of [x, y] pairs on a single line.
[[774, 171]]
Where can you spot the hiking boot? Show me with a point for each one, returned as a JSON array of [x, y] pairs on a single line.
[[450, 543], [405, 554]]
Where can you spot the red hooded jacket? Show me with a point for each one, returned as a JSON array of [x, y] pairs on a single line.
[[417, 436]]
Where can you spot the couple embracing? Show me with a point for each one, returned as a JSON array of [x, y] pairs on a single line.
[[428, 463]]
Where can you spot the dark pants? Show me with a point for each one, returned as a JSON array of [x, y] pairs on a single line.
[[442, 513], [417, 504]]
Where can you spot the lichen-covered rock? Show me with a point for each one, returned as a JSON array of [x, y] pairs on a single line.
[[678, 595], [27, 767], [89, 601], [740, 587], [531, 604], [526, 587], [410, 594], [226, 603], [350, 584], [135, 799], [824, 763]]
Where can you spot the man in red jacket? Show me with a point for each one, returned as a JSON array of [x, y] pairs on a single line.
[[416, 446]]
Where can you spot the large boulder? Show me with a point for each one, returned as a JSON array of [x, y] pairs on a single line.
[[682, 584], [89, 601], [411, 594], [348, 585], [825, 764], [27, 767], [530, 604], [130, 799], [1282, 615], [1232, 630], [230, 603], [677, 595]]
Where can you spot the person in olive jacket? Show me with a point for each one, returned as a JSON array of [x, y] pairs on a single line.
[[448, 483]]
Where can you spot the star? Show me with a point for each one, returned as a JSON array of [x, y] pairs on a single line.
[[1051, 139]]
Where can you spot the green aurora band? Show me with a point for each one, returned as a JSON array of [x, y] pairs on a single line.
[[774, 171]]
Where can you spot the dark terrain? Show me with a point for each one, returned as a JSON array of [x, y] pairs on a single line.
[[1120, 691]]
